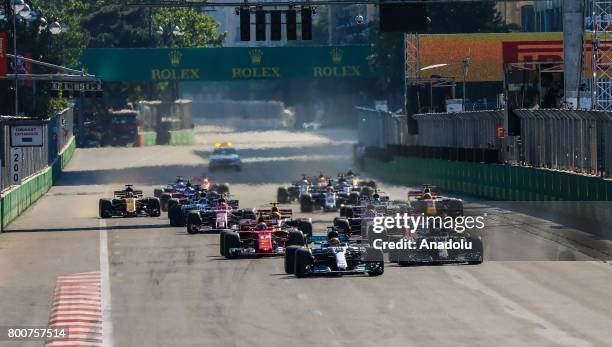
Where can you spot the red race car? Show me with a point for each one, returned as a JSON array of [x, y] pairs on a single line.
[[263, 237]]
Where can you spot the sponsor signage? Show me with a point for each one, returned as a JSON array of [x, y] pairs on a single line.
[[16, 163], [231, 63], [26, 135], [3, 54], [491, 53]]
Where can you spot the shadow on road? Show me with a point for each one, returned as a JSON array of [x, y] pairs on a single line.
[[97, 228]]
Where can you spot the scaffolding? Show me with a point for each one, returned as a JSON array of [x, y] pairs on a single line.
[[602, 55]]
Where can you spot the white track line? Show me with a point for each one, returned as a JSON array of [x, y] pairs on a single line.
[[107, 331]]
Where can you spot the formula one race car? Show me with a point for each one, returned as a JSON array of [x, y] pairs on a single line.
[[428, 201], [179, 209], [436, 246], [129, 203], [216, 219], [224, 156], [334, 255], [183, 191], [260, 240]]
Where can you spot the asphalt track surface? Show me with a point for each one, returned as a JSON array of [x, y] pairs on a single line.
[[163, 287]]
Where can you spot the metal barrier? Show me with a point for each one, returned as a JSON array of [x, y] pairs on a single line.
[[567, 140], [476, 129], [57, 133]]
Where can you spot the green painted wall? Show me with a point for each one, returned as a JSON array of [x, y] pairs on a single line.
[[182, 137], [18, 199], [494, 182], [149, 138], [569, 191]]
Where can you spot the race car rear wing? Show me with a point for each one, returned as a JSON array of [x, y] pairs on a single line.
[[123, 194], [284, 212], [318, 240]]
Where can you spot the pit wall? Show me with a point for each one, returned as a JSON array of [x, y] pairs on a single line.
[[17, 199], [502, 183]]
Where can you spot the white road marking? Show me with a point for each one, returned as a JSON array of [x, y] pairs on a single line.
[[543, 328], [107, 336]]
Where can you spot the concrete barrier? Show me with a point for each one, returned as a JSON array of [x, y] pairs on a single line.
[[147, 138], [17, 199], [182, 137]]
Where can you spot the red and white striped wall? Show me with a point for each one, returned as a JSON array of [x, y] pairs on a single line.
[[77, 306]]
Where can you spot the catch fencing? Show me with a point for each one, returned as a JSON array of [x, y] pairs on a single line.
[[57, 133], [568, 140]]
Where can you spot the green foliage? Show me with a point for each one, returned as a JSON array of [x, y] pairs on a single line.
[[200, 29]]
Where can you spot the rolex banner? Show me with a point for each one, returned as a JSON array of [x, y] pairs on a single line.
[[231, 63], [3, 56]]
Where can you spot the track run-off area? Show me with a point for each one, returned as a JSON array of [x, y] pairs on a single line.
[[159, 286]]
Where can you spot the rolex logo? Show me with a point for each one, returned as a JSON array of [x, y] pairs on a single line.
[[256, 56], [175, 57], [336, 55]]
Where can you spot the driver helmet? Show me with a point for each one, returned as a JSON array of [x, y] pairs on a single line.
[[261, 226], [427, 196], [334, 242], [376, 196]]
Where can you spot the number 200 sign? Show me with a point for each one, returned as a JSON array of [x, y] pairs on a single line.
[[15, 162]]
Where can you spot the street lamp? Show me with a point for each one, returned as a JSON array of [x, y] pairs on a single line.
[[55, 27], [23, 10], [465, 64], [18, 5]]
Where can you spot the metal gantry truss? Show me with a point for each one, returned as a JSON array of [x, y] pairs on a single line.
[[602, 54], [412, 56]]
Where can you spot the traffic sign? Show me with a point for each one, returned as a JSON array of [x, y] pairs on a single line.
[[26, 135], [501, 133]]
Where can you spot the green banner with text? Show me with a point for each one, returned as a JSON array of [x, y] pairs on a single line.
[[231, 63]]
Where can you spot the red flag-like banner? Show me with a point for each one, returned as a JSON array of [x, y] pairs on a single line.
[[3, 52]]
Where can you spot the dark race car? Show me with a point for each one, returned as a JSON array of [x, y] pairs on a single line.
[[129, 203], [334, 255], [436, 246]]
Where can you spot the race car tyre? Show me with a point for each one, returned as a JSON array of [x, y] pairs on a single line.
[[394, 254], [282, 195], [373, 255], [477, 248], [342, 224], [342, 211], [296, 238], [290, 259], [164, 198], [153, 207], [157, 192], [306, 203], [222, 240], [305, 226], [223, 188], [303, 260], [366, 191], [105, 208], [249, 214], [171, 202], [353, 198], [176, 216], [193, 222], [230, 240]]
